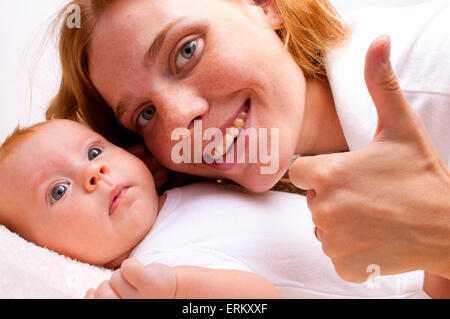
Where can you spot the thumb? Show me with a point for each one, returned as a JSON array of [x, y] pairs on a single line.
[[394, 111]]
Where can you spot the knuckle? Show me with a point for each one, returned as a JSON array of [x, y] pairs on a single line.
[[321, 175], [310, 198], [319, 221], [390, 83], [115, 279], [325, 209], [330, 248], [126, 264], [152, 163], [329, 174], [103, 285], [322, 216], [337, 248], [148, 275], [326, 248], [103, 290]]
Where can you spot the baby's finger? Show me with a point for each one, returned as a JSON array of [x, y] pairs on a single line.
[[121, 287], [152, 163], [160, 176], [104, 291], [90, 294], [132, 272], [139, 151]]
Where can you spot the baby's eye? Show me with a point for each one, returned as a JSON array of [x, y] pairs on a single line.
[[186, 53], [146, 115], [94, 152], [58, 192]]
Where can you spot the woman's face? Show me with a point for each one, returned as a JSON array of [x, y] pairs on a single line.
[[215, 59]]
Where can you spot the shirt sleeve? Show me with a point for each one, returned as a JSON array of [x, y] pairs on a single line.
[[195, 256]]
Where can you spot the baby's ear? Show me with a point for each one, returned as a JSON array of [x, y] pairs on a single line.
[[272, 15]]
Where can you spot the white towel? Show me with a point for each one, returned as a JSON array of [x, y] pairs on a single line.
[[28, 271]]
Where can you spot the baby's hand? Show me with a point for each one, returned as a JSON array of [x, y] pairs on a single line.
[[136, 281]]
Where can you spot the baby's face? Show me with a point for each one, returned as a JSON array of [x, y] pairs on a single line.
[[68, 189]]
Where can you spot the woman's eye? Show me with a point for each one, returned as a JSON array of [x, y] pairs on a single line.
[[146, 115], [58, 192], [186, 53], [94, 152]]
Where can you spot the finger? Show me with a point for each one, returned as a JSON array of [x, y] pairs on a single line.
[[121, 287], [299, 172], [139, 151], [161, 176], [394, 111], [158, 171], [104, 291], [318, 233], [90, 294], [152, 163], [315, 172], [132, 272]]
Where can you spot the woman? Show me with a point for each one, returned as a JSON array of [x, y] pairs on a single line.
[[155, 66]]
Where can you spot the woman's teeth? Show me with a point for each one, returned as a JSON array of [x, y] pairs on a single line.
[[230, 137]]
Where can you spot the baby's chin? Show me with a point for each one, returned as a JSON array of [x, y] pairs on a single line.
[[105, 262]]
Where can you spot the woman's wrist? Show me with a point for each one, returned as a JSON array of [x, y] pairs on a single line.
[[441, 244]]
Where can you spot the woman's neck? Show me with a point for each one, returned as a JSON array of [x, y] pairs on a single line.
[[321, 130]]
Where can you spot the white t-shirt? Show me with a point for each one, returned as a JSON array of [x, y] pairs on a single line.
[[270, 234], [421, 59]]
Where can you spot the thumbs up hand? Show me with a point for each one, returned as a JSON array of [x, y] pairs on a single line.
[[389, 203]]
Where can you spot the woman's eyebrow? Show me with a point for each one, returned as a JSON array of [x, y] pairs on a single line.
[[122, 106], [160, 38]]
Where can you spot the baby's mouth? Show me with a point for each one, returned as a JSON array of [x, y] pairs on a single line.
[[231, 135], [117, 196]]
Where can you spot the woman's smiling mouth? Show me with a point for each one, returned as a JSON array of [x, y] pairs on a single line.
[[117, 196], [231, 132]]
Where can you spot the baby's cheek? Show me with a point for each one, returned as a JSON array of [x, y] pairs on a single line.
[[142, 215]]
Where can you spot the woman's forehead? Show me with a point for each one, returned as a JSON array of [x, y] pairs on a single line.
[[131, 15], [123, 35], [118, 56]]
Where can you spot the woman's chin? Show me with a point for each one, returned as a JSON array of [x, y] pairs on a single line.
[[259, 183]]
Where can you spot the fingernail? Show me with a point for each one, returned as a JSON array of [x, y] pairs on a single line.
[[386, 55]]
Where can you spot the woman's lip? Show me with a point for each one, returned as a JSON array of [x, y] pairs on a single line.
[[117, 196], [230, 122], [224, 166], [245, 107]]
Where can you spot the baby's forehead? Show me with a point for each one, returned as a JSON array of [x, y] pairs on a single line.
[[65, 126], [68, 133], [48, 144]]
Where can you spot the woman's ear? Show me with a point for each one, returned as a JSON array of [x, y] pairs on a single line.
[[272, 16]]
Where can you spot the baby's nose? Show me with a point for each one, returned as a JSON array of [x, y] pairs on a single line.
[[94, 174]]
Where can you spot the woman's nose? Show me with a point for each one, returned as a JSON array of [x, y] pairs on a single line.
[[180, 107], [93, 175]]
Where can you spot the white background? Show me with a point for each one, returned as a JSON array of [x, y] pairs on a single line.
[[29, 64]]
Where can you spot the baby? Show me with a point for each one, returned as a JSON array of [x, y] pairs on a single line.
[[66, 188]]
